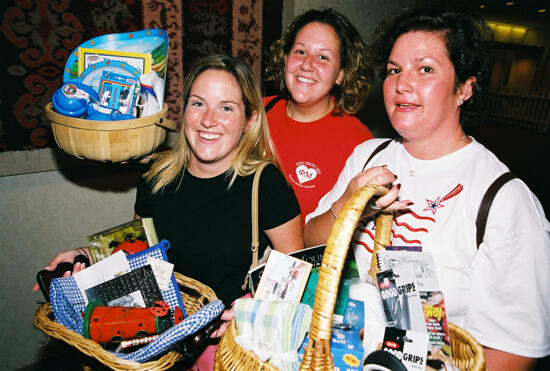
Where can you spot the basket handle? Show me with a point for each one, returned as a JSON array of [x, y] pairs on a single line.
[[166, 123], [317, 354]]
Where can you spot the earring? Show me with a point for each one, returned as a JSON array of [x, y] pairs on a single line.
[[461, 101]]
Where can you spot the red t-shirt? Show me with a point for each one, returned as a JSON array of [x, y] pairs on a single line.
[[312, 154]]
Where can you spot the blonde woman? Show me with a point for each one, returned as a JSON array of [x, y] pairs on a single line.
[[199, 193]]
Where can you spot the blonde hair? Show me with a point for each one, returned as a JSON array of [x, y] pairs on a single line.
[[255, 145]]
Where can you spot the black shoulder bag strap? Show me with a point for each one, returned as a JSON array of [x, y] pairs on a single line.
[[483, 212], [380, 147], [272, 102]]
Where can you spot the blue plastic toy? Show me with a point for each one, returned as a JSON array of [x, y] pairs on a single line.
[[73, 99]]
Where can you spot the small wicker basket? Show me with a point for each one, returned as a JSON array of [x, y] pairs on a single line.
[[467, 352], [194, 296], [113, 141]]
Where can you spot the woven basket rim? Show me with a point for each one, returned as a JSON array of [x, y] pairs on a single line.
[[317, 354], [94, 125], [89, 347]]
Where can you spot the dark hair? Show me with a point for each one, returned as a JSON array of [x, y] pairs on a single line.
[[464, 35], [350, 94]]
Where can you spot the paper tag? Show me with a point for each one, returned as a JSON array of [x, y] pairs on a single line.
[[162, 270], [401, 299], [113, 266]]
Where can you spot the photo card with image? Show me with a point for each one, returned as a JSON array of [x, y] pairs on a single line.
[[284, 278]]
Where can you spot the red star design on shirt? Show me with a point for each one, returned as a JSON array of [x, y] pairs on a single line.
[[433, 205]]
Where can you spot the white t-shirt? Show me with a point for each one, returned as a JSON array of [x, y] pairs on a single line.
[[499, 293]]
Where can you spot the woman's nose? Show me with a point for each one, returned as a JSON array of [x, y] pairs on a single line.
[[307, 63], [208, 119], [404, 83]]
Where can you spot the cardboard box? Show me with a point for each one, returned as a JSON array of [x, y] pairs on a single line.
[[345, 345]]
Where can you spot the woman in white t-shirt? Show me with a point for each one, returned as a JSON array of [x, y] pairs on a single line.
[[436, 71]]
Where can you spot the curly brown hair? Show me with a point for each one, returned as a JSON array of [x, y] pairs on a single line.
[[350, 94], [465, 37]]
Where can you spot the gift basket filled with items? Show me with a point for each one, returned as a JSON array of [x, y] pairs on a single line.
[[129, 310], [311, 311], [110, 106]]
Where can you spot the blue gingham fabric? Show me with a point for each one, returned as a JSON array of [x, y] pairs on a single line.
[[67, 301], [68, 304], [176, 333]]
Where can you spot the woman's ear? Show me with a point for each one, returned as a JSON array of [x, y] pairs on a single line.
[[467, 88], [251, 121], [340, 77]]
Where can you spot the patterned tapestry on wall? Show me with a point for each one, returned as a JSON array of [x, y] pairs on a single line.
[[36, 38]]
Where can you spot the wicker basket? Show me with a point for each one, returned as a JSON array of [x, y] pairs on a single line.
[[467, 352], [194, 296], [114, 141]]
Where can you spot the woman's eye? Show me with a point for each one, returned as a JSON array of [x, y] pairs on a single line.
[[196, 104], [426, 69], [227, 108], [299, 52], [393, 71]]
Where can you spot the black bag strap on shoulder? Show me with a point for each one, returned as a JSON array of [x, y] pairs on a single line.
[[380, 147], [272, 102], [485, 206]]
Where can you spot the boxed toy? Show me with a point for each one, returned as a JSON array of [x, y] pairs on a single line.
[[346, 346]]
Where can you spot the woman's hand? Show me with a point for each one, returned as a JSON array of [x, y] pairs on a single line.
[[383, 199], [69, 257], [226, 317], [317, 230]]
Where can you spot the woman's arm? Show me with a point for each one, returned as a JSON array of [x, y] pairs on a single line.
[[499, 360], [317, 229], [287, 237]]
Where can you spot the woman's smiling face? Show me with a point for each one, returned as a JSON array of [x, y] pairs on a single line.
[[419, 88], [215, 120], [313, 64]]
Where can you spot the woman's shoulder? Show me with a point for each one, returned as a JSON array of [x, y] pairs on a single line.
[[379, 144], [272, 101], [272, 171]]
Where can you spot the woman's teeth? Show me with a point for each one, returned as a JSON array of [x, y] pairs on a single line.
[[209, 136], [306, 81]]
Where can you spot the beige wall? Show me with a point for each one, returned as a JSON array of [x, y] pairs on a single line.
[[44, 213]]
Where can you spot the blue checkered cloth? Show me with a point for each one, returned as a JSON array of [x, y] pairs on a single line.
[[168, 338], [68, 304]]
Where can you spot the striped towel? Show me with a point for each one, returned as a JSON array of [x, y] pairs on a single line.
[[273, 329]]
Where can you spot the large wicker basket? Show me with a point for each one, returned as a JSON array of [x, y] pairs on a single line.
[[194, 295], [467, 352], [113, 141]]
